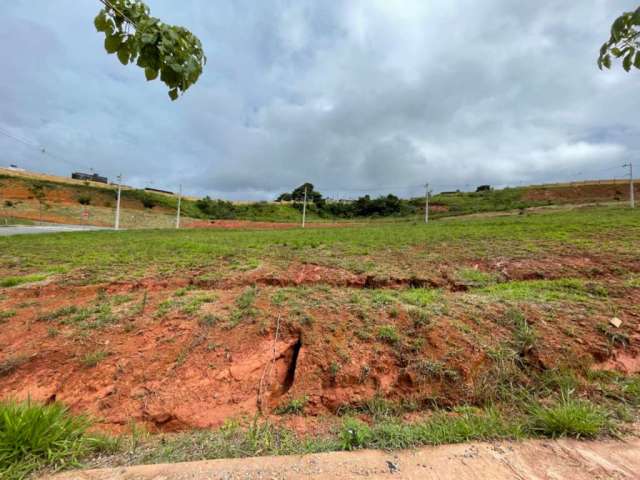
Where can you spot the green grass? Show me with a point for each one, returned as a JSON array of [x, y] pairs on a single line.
[[6, 315], [92, 359], [388, 334], [34, 436], [475, 278], [15, 281], [127, 253], [295, 406], [569, 418], [544, 290], [420, 297]]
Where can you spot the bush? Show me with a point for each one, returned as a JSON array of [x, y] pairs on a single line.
[[35, 436], [84, 199]]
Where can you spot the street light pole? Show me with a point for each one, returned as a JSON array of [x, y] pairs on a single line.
[[426, 204], [179, 202], [632, 200], [117, 226], [304, 207]]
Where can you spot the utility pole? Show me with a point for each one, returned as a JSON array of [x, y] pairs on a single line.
[[426, 203], [118, 203], [304, 207], [632, 200], [178, 211]]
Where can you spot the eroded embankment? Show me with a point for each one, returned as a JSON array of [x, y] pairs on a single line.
[[186, 352]]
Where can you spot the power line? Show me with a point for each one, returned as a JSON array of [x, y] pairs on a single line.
[[22, 140]]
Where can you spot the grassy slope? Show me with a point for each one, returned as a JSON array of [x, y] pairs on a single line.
[[111, 251], [524, 400]]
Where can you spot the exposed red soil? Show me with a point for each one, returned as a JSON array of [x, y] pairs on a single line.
[[172, 372], [580, 192]]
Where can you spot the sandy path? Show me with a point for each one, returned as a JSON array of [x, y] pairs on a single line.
[[530, 460]]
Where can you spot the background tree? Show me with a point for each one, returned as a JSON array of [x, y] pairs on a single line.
[[168, 51], [312, 196], [623, 42]]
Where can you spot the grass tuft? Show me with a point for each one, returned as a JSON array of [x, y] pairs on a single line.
[[569, 418], [36, 436]]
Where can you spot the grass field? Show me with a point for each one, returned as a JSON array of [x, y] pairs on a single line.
[[199, 344]]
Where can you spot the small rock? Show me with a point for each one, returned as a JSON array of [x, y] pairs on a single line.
[[393, 467], [616, 322]]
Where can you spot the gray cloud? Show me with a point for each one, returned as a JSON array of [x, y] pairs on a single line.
[[352, 96]]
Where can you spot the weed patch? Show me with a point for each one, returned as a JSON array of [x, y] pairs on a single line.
[[569, 418], [35, 436], [11, 364], [7, 282], [388, 334], [92, 359]]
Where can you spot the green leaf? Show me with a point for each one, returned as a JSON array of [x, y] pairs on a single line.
[[626, 62], [616, 52], [101, 23], [123, 55], [636, 62], [617, 27], [148, 38], [150, 73], [112, 43], [606, 61], [173, 94]]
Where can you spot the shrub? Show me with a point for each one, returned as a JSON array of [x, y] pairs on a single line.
[[35, 436], [84, 199]]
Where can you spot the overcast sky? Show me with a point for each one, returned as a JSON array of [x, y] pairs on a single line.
[[351, 95]]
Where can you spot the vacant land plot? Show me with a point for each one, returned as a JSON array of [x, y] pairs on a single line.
[[258, 342]]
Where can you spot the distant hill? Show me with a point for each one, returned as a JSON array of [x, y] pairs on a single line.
[[29, 196]]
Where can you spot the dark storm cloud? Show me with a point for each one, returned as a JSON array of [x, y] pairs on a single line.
[[354, 95]]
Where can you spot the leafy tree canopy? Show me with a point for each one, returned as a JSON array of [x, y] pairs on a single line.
[[297, 195], [623, 42], [168, 51]]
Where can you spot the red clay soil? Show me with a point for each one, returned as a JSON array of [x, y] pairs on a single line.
[[171, 371], [580, 192]]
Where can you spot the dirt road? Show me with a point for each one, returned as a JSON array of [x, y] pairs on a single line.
[[530, 460], [31, 229]]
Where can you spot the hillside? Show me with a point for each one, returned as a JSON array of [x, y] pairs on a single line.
[[462, 203], [29, 197]]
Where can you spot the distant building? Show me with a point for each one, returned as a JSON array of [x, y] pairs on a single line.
[[157, 190], [483, 188], [92, 177]]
